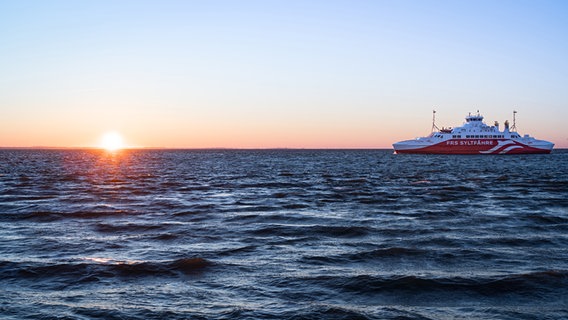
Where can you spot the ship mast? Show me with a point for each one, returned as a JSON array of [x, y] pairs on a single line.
[[514, 127], [434, 121]]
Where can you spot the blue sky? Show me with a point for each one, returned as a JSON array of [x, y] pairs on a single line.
[[277, 73]]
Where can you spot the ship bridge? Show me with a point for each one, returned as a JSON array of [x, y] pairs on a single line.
[[474, 118]]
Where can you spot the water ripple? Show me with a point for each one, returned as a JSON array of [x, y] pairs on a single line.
[[282, 234]]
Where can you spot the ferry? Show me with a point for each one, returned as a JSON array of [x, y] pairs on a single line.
[[474, 137]]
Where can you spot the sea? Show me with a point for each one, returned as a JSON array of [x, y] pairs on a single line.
[[282, 234]]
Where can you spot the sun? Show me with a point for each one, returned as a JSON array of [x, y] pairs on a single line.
[[112, 141]]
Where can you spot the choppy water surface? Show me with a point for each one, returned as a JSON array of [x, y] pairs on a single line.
[[277, 234]]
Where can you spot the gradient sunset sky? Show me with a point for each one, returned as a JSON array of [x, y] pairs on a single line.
[[277, 74]]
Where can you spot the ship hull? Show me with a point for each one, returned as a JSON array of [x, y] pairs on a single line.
[[473, 146]]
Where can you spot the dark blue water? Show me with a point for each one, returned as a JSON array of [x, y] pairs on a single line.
[[282, 234]]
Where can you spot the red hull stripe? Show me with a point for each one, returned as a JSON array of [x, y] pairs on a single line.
[[479, 146]]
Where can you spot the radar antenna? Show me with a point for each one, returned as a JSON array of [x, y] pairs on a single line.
[[434, 121], [514, 127]]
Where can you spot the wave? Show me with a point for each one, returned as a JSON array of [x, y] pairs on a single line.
[[406, 256], [328, 312], [239, 312], [128, 227], [533, 284], [238, 250], [50, 216], [317, 230], [93, 269]]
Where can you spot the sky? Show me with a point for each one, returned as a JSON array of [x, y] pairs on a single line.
[[277, 74]]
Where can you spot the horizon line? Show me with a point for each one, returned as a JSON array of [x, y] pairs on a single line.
[[196, 148]]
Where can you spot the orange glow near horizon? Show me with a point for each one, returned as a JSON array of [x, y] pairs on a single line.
[[378, 129]]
